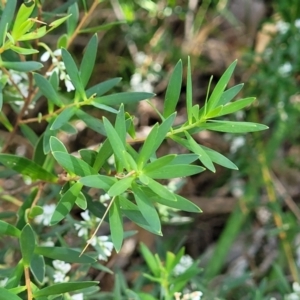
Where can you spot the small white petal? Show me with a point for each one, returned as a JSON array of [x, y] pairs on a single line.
[[69, 85], [45, 56], [85, 215]]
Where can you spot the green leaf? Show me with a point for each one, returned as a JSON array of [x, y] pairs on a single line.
[[81, 201], [6, 19], [175, 171], [220, 159], [65, 254], [73, 164], [1, 98], [35, 211], [150, 260], [6, 294], [56, 145], [63, 117], [120, 124], [98, 181], [126, 98], [159, 189], [47, 89], [233, 127], [181, 203], [58, 22], [88, 60], [73, 72], [215, 96], [89, 156], [22, 66], [62, 41], [116, 225], [229, 94], [29, 134], [73, 19], [183, 159], [147, 149], [131, 211], [23, 15], [235, 106], [7, 229], [47, 134], [27, 244], [163, 130], [66, 203], [189, 93], [116, 143], [37, 268], [173, 90], [33, 35], [26, 167], [103, 87], [158, 163], [91, 122], [60, 288], [203, 157], [147, 208], [120, 186], [23, 51], [101, 27]]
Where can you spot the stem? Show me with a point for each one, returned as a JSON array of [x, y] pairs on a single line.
[[27, 282], [99, 225], [267, 178]]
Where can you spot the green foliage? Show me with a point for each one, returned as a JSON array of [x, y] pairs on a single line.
[[132, 182]]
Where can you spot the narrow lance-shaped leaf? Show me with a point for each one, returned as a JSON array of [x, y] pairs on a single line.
[[120, 124], [147, 208], [73, 20], [233, 127], [116, 224], [23, 14], [73, 164], [64, 254], [103, 87], [47, 89], [203, 157], [147, 149], [22, 66], [120, 186], [6, 18], [63, 117], [236, 106], [60, 288], [57, 145], [88, 60], [91, 122], [158, 163], [73, 73], [126, 98], [27, 244], [189, 93], [37, 268], [66, 203], [6, 294], [213, 100], [173, 90], [7, 229], [116, 143], [229, 94], [26, 167]]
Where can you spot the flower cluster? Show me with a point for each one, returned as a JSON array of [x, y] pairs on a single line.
[[102, 244], [185, 262], [190, 296], [61, 270], [58, 67]]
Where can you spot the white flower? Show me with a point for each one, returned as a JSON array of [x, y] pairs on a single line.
[[185, 262], [59, 68], [82, 231], [237, 143], [61, 269], [104, 247], [297, 23], [85, 215], [61, 266], [77, 297], [191, 296], [104, 198], [282, 27], [83, 226], [46, 216], [285, 69]]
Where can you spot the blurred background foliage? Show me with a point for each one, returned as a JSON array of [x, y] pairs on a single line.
[[247, 238]]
